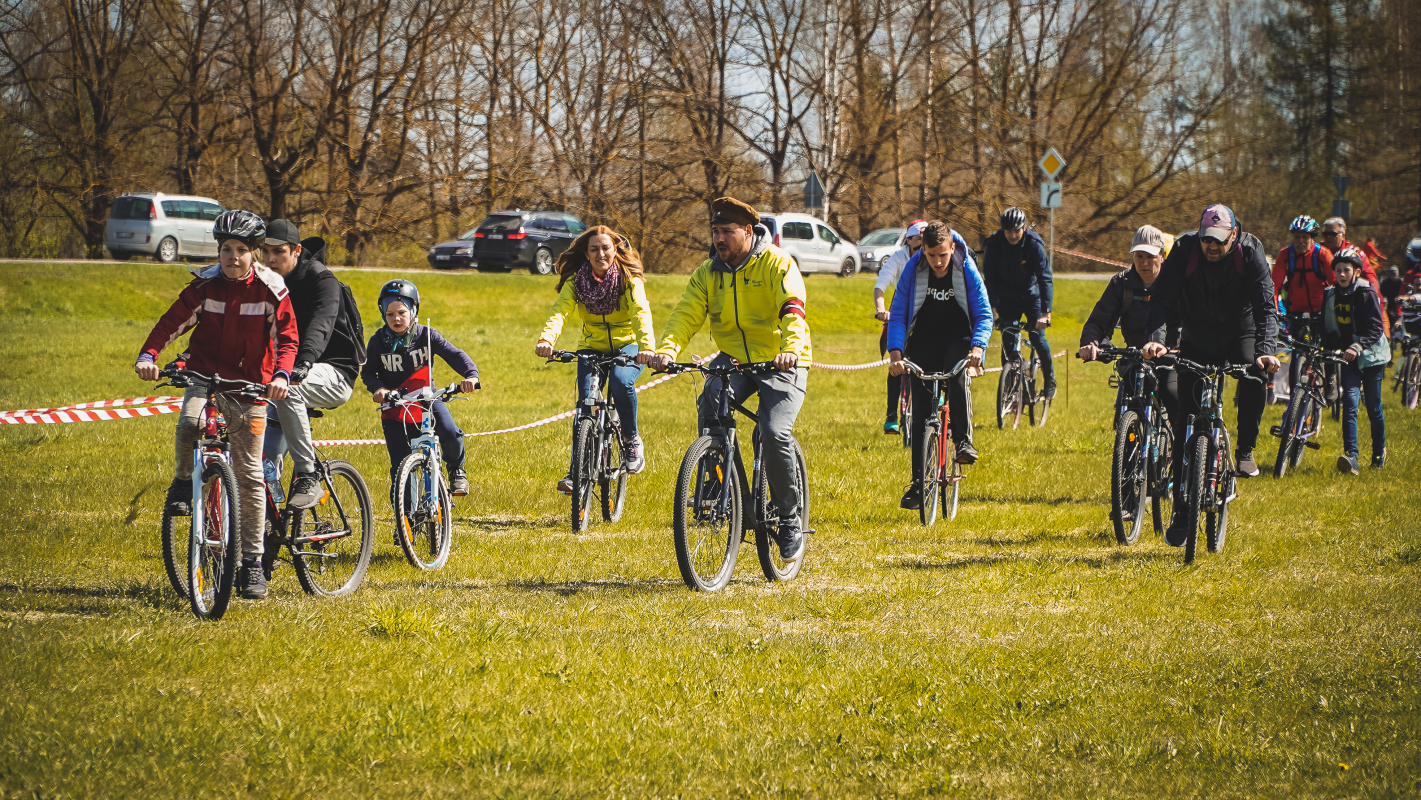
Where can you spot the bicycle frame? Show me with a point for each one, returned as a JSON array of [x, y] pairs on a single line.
[[940, 417], [426, 442], [599, 407]]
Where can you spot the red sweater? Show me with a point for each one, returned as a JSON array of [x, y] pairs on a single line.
[[241, 329], [1303, 289]]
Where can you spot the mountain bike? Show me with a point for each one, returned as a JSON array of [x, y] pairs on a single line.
[[330, 544], [941, 472], [905, 415], [1016, 388], [1141, 468], [710, 519], [1408, 374], [203, 564], [1303, 418], [1208, 476], [597, 444], [424, 522]]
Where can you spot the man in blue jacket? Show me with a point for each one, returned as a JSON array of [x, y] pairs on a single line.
[[1018, 277], [940, 316]]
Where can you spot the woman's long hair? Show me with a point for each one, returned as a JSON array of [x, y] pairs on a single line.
[[625, 257]]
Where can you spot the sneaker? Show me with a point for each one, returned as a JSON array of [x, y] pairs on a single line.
[[791, 539], [305, 491], [1347, 465], [891, 427], [565, 485], [632, 456], [966, 453], [1049, 392], [253, 579], [1379, 461], [179, 500], [1243, 463], [1178, 529], [458, 482], [912, 499]]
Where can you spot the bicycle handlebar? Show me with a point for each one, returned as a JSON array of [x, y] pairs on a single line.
[[1240, 371], [423, 394], [182, 378], [935, 376], [568, 356], [1109, 352], [733, 368], [1330, 355]]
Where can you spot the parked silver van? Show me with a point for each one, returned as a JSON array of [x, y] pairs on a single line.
[[165, 226], [813, 245]]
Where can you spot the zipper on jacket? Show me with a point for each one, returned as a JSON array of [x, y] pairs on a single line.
[[735, 300]]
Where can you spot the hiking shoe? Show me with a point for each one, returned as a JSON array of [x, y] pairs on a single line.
[[966, 453], [179, 500], [458, 482], [891, 427], [565, 485], [252, 579], [1379, 461], [1243, 463], [1178, 529], [305, 491], [632, 456], [912, 499], [1347, 465], [790, 538]]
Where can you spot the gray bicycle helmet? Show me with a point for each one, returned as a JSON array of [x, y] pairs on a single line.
[[241, 225], [1013, 219], [402, 290]]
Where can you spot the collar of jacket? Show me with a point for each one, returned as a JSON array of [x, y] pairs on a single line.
[[409, 338], [762, 240]]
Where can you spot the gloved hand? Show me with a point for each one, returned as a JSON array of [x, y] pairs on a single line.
[[300, 371]]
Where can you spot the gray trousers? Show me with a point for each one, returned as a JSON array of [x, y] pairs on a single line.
[[781, 396], [246, 423], [289, 427]]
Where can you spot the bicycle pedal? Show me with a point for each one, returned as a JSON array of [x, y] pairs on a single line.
[[1312, 445], [1276, 430], [807, 530]]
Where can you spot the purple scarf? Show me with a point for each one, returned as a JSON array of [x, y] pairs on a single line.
[[600, 296]]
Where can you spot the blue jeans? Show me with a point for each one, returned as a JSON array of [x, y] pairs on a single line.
[[620, 387], [1036, 337], [1357, 381]]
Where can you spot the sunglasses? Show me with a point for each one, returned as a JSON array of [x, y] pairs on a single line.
[[1212, 240], [1330, 234]]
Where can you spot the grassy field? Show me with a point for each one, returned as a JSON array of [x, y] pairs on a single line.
[[1015, 652]]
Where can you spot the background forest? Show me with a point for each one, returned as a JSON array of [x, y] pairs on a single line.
[[388, 125]]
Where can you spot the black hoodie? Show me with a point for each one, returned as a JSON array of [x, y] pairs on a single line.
[[326, 335]]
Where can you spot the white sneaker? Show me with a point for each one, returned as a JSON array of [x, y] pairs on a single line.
[[632, 456]]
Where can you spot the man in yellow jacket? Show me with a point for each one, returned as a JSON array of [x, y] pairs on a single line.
[[753, 296]]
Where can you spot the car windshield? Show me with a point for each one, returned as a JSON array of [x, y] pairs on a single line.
[[882, 237], [469, 234], [499, 223]]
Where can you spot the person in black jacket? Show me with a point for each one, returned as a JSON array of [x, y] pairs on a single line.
[[1018, 277], [327, 361], [1352, 323], [1216, 283]]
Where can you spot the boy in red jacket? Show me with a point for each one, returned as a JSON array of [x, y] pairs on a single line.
[[243, 328]]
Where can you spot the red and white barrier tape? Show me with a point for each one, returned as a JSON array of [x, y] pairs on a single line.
[[97, 415], [1089, 257], [132, 401]]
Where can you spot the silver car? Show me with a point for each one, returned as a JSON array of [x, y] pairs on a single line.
[[813, 245], [876, 247], [164, 226]]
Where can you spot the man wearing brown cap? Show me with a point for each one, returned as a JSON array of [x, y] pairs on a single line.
[[753, 296]]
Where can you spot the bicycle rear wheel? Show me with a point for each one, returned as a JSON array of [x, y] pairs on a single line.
[[706, 519], [1128, 479], [331, 542], [214, 546], [930, 471], [774, 567], [584, 471], [612, 485], [424, 521], [1195, 492], [1218, 522], [1411, 386], [951, 488], [905, 414], [1162, 476]]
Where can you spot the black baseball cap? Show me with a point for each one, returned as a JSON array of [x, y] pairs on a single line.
[[282, 231]]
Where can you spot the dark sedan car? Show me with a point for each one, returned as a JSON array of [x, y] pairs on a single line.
[[509, 239]]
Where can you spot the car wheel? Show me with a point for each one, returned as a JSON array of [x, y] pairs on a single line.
[[120, 255], [848, 269], [542, 262], [167, 250]]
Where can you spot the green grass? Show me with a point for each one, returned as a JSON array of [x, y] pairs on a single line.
[[1015, 652]]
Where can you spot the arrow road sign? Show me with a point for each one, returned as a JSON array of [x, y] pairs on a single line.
[[1050, 195], [1341, 182], [813, 192], [1051, 164]]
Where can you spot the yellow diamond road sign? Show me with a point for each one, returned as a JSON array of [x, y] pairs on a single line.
[[1052, 164]]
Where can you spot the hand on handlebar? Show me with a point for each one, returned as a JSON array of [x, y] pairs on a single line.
[[146, 370], [543, 349], [1088, 353], [379, 395], [468, 385], [657, 361], [1153, 350], [786, 361], [895, 363], [1349, 355], [277, 389], [1268, 364], [881, 316], [974, 359]]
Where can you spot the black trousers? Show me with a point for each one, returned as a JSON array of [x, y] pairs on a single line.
[[959, 398], [1249, 397], [895, 382]]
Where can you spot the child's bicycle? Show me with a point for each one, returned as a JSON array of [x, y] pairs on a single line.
[[1303, 419], [424, 522], [711, 489], [1016, 388], [202, 565], [940, 470], [1408, 371], [596, 444]]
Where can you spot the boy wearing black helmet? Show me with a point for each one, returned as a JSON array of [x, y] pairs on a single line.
[[1018, 276], [398, 358]]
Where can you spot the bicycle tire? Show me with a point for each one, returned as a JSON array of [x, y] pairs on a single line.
[[1411, 389], [951, 490], [212, 562], [613, 490], [774, 567], [1128, 478], [174, 553], [1029, 397], [929, 472], [1218, 523], [1004, 394], [1308, 422], [707, 514], [905, 414], [1194, 496], [342, 527], [422, 530], [1162, 477], [1045, 412], [1287, 436], [584, 469]]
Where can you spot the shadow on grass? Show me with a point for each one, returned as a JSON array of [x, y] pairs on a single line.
[[1017, 500], [1095, 560], [152, 596], [614, 585]]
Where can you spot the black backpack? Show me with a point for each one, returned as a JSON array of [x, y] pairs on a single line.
[[355, 327]]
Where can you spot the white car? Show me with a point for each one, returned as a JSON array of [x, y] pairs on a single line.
[[164, 226], [813, 245], [878, 246]]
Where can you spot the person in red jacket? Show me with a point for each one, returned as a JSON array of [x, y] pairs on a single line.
[[1334, 238], [1301, 273], [243, 329]]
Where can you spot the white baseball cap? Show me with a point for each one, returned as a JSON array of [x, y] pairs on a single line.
[[1148, 239], [915, 228]]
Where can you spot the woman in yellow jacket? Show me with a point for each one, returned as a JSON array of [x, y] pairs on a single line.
[[600, 280]]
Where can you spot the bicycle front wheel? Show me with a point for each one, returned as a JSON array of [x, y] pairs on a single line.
[[706, 518], [774, 567], [1128, 479], [584, 471], [931, 472], [1411, 387], [1287, 439], [951, 488], [1307, 424], [1006, 394], [214, 546], [331, 542], [424, 521], [1162, 476], [1195, 492], [612, 485]]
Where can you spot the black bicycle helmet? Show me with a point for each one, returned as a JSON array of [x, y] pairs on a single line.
[[242, 225], [402, 290], [1013, 219]]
